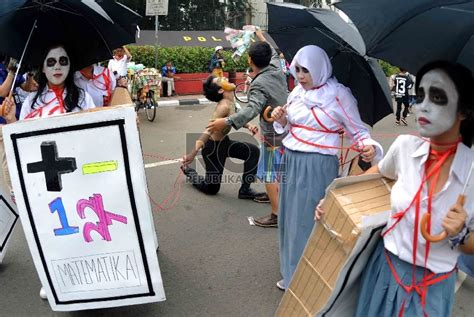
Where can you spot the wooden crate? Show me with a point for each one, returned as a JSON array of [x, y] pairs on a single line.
[[331, 243]]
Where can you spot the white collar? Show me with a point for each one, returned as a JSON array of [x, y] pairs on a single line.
[[461, 158]]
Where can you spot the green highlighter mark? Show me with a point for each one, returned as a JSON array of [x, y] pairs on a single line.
[[99, 167]]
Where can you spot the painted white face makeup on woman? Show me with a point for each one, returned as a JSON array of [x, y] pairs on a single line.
[[436, 104], [56, 66]]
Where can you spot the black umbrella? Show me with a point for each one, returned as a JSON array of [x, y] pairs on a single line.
[[123, 15], [411, 33], [90, 29], [293, 26]]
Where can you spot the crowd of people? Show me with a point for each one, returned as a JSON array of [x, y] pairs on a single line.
[[301, 141], [297, 157]]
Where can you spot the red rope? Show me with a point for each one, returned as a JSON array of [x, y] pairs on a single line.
[[171, 200], [419, 288], [432, 171]]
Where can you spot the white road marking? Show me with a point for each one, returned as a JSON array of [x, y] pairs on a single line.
[[156, 164]]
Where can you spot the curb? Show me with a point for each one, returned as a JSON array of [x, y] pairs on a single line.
[[183, 102]]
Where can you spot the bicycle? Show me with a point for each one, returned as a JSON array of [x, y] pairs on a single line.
[[147, 101], [144, 85], [241, 90]]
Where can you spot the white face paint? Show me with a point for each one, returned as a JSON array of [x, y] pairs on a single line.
[[436, 104], [56, 66]]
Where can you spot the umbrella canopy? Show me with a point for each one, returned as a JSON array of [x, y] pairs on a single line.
[[293, 26], [411, 33], [89, 29]]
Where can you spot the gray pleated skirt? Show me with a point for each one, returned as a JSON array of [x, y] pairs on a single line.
[[381, 296], [466, 264], [304, 178]]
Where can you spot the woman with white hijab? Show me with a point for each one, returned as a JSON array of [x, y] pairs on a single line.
[[317, 111]]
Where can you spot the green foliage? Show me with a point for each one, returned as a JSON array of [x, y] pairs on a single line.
[[196, 59], [185, 59], [194, 14], [388, 69]]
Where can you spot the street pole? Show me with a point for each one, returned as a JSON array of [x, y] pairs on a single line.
[[157, 27]]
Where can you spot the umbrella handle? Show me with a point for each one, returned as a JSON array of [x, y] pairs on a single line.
[[266, 114], [2, 110], [426, 217], [424, 230]]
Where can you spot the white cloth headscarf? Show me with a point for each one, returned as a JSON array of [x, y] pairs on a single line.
[[317, 62]]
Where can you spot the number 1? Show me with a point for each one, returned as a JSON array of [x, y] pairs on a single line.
[[66, 229]]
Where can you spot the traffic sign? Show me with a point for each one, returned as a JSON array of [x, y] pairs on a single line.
[[156, 7]]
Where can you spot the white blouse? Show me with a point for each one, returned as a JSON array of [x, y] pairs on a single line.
[[47, 104], [340, 112], [405, 162], [119, 66], [100, 87]]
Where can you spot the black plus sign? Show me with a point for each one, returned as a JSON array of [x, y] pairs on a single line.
[[52, 166]]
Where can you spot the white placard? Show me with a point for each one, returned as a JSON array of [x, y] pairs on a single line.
[[80, 186], [8, 218], [156, 7]]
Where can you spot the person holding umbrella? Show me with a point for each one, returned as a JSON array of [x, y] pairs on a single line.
[[318, 111], [430, 224], [7, 75], [57, 92]]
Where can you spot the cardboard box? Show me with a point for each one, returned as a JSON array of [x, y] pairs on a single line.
[[120, 97], [352, 204]]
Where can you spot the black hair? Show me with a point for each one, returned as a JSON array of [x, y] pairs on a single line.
[[464, 83], [73, 93], [261, 54], [211, 89], [4, 59]]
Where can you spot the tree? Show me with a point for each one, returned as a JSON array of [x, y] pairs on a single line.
[[195, 14]]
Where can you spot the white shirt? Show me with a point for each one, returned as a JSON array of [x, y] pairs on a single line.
[[405, 162], [48, 104], [22, 94], [119, 66], [333, 117], [100, 86]]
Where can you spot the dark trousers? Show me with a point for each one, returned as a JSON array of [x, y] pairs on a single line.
[[215, 154], [406, 104]]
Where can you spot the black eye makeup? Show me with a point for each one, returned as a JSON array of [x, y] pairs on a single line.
[[420, 95], [301, 69], [438, 96], [63, 61]]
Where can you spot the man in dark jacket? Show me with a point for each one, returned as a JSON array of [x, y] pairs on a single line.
[[268, 88]]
